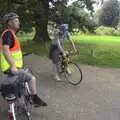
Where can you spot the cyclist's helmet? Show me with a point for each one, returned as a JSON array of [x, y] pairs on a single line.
[[10, 16], [63, 27]]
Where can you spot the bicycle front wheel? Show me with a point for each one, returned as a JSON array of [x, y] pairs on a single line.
[[73, 74]]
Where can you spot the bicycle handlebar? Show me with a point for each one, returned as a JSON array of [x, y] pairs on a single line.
[[72, 53]]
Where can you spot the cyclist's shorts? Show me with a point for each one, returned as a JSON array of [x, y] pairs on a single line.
[[54, 54], [10, 82], [22, 76]]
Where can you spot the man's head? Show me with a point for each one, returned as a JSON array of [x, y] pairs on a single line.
[[12, 20]]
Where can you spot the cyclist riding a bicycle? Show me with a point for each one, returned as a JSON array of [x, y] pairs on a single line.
[[61, 34], [11, 56]]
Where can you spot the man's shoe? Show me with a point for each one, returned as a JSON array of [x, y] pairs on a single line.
[[58, 78], [37, 102]]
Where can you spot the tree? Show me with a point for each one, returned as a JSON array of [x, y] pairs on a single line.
[[75, 15], [110, 13], [79, 18], [32, 14], [36, 13]]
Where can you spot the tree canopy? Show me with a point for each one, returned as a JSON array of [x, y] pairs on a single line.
[[37, 13], [110, 13]]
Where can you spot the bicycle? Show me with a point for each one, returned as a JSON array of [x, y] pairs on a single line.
[[18, 97], [70, 70]]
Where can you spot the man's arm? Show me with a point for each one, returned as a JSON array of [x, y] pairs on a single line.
[[60, 47], [58, 42]]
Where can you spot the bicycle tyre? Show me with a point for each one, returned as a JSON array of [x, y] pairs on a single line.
[[76, 75], [21, 111], [28, 103]]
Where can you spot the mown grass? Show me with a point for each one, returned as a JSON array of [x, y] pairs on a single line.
[[94, 50], [99, 50], [97, 39]]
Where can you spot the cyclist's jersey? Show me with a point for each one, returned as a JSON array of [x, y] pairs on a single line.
[[61, 37]]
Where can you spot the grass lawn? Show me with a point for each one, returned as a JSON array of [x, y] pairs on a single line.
[[98, 50], [94, 50], [97, 39]]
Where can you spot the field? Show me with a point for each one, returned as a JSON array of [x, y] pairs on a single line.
[[93, 49]]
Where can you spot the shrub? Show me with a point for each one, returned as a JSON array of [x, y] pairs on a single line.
[[106, 31]]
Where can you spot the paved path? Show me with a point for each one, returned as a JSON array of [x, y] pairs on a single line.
[[97, 97]]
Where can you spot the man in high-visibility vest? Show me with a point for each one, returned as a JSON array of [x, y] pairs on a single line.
[[11, 56]]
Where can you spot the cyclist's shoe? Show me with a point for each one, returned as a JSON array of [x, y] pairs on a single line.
[[57, 77], [37, 102]]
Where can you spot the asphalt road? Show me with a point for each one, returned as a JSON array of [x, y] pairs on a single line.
[[96, 98]]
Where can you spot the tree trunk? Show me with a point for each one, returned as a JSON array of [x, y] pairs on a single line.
[[41, 31], [41, 15]]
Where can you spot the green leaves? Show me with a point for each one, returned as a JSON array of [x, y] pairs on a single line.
[[110, 13], [37, 13]]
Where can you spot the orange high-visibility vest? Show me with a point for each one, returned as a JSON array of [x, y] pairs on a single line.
[[15, 51]]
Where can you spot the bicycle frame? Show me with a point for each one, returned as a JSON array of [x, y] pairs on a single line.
[[11, 112], [64, 60], [11, 104], [27, 87]]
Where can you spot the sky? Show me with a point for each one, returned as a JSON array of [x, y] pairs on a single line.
[[96, 6]]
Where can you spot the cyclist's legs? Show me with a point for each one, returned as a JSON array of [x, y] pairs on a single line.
[[24, 76], [55, 53], [28, 77]]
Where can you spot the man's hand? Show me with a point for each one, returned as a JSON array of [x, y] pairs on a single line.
[[73, 46], [65, 53], [13, 69], [9, 58]]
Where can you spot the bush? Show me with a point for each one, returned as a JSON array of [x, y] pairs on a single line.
[[107, 31]]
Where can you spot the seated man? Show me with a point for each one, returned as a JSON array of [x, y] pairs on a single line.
[[11, 56]]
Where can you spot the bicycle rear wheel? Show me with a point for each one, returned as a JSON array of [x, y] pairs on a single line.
[[73, 74], [28, 102], [21, 110]]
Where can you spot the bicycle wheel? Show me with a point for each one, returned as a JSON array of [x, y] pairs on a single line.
[[73, 74], [21, 110], [28, 103]]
